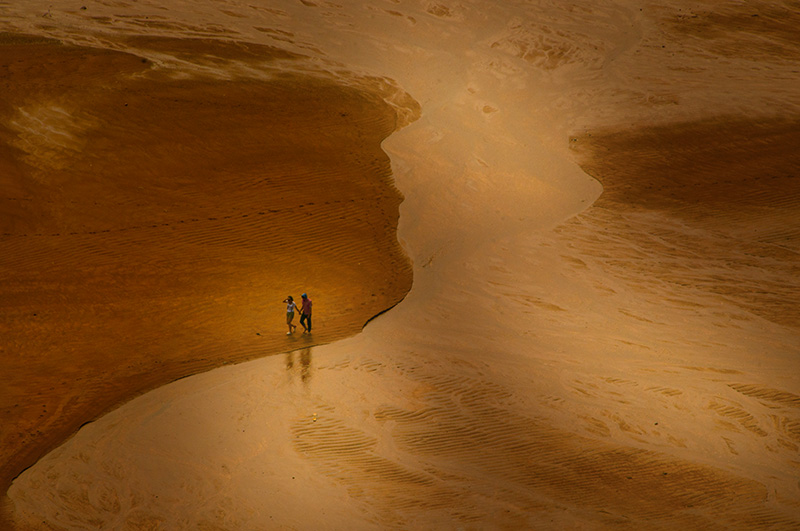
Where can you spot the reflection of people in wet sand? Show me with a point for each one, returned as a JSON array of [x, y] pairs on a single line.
[[305, 363], [305, 313], [290, 309]]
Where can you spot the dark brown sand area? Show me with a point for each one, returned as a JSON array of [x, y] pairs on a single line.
[[733, 188], [151, 226]]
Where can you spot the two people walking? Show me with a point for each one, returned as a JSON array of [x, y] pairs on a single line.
[[305, 314]]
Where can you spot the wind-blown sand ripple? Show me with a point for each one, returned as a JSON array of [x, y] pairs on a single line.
[[560, 362]]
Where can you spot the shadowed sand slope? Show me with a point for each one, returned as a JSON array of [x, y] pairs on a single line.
[[151, 225], [727, 194]]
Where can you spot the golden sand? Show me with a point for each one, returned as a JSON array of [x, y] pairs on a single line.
[[151, 227], [562, 360]]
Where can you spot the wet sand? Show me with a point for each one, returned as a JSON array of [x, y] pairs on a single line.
[[565, 358]]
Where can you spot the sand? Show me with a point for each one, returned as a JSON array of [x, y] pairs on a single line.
[[143, 207], [564, 359]]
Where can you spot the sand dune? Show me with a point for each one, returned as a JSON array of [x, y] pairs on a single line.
[[561, 361], [145, 207]]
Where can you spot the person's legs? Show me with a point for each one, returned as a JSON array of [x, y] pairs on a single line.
[[303, 318], [289, 317], [308, 322]]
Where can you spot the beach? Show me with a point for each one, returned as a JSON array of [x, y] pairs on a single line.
[[572, 232]]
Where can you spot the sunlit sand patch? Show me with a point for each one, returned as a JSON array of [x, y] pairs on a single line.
[[45, 131]]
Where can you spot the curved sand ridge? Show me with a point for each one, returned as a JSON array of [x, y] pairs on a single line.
[[600, 371]]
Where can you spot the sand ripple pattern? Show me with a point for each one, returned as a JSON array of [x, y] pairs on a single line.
[[633, 367], [728, 201], [147, 218], [468, 443]]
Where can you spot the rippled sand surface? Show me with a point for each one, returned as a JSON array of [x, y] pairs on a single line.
[[153, 225], [564, 358]]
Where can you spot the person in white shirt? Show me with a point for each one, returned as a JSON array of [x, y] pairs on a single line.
[[290, 309]]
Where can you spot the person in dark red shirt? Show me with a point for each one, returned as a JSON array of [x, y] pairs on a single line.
[[305, 313]]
